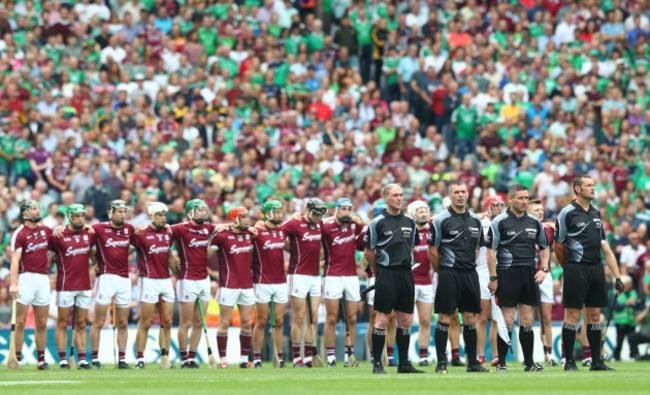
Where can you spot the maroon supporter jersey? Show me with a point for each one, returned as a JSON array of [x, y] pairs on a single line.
[[549, 236], [422, 273], [339, 245], [33, 245], [268, 257], [235, 253], [359, 244], [113, 248], [192, 246], [72, 254], [152, 248], [304, 239]]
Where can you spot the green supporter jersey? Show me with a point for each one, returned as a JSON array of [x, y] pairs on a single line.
[[364, 32], [385, 135], [536, 30], [22, 165], [7, 144], [626, 315], [229, 41], [293, 43], [392, 63], [208, 38], [465, 120], [315, 42], [281, 74]]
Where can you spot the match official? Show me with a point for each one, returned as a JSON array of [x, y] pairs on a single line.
[[389, 244], [579, 238]]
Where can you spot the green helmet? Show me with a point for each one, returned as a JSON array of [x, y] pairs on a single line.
[[271, 206], [72, 210], [190, 209]]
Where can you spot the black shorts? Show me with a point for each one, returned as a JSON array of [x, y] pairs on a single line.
[[457, 289], [517, 285], [395, 290], [584, 285]]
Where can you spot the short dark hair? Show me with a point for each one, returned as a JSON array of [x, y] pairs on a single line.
[[514, 188], [534, 202], [456, 183], [577, 182]]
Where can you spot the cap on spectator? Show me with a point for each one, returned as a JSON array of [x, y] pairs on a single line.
[[139, 76], [594, 52]]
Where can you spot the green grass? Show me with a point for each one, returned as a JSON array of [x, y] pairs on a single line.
[[629, 378]]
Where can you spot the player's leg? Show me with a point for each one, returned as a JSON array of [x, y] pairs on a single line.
[[441, 336], [197, 327], [298, 308], [469, 337], [547, 310], [147, 311], [61, 335], [502, 346], [391, 330], [81, 336], [494, 343], [372, 314], [379, 334], [569, 331], [245, 334], [261, 318], [186, 315], [280, 307], [526, 335], [574, 294], [352, 298], [122, 332], [21, 318], [445, 306], [332, 309], [95, 330], [594, 333], [454, 339], [308, 336], [40, 333], [424, 333], [225, 318], [168, 311], [403, 336], [481, 329]]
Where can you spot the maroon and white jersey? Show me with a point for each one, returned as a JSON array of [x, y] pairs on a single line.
[[192, 246], [304, 239], [268, 257], [235, 253], [359, 245], [152, 248], [549, 236], [340, 245], [422, 273], [33, 246], [72, 254], [113, 248]]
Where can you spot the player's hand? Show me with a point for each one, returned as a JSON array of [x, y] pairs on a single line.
[[356, 220], [168, 229], [89, 229], [139, 230], [252, 230], [540, 276], [619, 287], [13, 291], [222, 228], [58, 231], [296, 216], [493, 285]]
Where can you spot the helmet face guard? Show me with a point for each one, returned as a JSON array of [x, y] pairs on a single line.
[[71, 211], [191, 208], [491, 201], [269, 209], [154, 209], [27, 207], [315, 206], [344, 202], [235, 216], [419, 210], [115, 205]]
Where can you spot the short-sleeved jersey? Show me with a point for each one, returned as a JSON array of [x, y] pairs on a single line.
[[304, 240], [515, 239], [422, 273], [192, 246], [152, 250], [481, 262], [33, 246], [113, 248], [457, 236], [72, 254], [235, 259], [268, 257], [393, 238], [582, 233], [339, 246], [549, 236]]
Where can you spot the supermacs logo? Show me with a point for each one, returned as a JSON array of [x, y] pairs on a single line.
[[76, 251], [35, 247], [420, 248], [158, 250], [117, 243], [308, 237], [240, 250], [268, 245], [197, 243], [341, 240]]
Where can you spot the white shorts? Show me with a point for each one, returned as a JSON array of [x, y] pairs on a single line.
[[190, 290], [434, 280], [546, 289], [80, 299], [108, 285], [335, 286], [483, 280], [424, 293], [236, 296], [264, 292], [151, 288], [370, 296], [33, 289], [301, 284]]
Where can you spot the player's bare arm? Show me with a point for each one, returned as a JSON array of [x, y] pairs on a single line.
[[13, 274], [559, 253], [545, 258], [173, 263], [369, 254], [610, 260], [434, 258]]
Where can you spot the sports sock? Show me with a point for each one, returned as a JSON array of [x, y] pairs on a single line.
[[440, 337], [455, 353], [390, 350], [19, 355], [139, 356], [378, 341], [309, 352], [62, 359], [402, 339], [346, 356], [469, 335], [527, 341], [41, 356], [424, 351], [257, 356], [191, 355], [502, 347], [82, 357], [121, 354], [593, 336], [331, 357], [296, 352], [568, 340], [372, 354], [280, 355], [183, 355], [586, 351], [245, 345], [549, 350], [95, 355], [222, 344]]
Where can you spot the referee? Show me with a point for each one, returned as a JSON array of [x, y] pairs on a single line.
[[454, 241], [511, 259], [389, 244], [579, 239]]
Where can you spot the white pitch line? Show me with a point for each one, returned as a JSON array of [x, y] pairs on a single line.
[[36, 382]]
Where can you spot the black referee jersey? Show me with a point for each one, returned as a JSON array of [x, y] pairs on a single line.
[[514, 239], [581, 232], [393, 238], [457, 236]]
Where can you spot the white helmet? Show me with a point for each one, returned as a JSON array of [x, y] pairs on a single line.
[[412, 208], [446, 202], [154, 208]]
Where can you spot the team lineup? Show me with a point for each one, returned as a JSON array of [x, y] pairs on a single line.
[[479, 266]]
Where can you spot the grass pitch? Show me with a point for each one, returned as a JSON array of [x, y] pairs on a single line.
[[629, 378]]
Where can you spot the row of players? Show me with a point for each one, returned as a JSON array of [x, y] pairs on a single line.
[[108, 246]]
